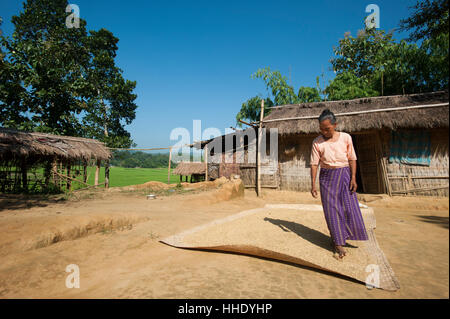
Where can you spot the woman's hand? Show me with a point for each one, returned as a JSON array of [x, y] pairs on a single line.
[[314, 191], [353, 185]]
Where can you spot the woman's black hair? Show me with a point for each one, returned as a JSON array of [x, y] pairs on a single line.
[[327, 115]]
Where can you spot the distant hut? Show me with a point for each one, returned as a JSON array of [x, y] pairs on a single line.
[[401, 143], [31, 160], [196, 171]]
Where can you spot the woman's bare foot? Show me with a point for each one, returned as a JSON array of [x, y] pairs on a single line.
[[341, 251]]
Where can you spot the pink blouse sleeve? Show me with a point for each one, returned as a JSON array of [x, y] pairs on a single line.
[[351, 155], [315, 154]]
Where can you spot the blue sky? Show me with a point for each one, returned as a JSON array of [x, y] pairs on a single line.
[[192, 60]]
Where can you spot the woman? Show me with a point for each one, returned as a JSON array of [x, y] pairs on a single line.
[[334, 152]]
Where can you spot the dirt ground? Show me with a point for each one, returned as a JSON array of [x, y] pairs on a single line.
[[113, 237]]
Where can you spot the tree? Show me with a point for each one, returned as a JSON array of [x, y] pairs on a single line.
[[251, 110], [48, 60], [361, 54], [347, 85], [111, 102], [63, 80], [429, 20], [280, 93], [308, 94], [386, 66]]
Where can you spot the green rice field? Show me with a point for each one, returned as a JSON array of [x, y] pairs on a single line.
[[121, 176]]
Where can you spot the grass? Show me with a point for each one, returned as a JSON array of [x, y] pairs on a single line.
[[118, 177], [121, 176]]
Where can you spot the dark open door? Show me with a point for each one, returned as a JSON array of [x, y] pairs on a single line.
[[366, 147]]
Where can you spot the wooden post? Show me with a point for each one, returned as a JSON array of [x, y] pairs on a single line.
[[258, 153], [24, 176], [54, 171], [69, 182], [97, 172], [85, 171], [60, 180], [47, 173], [170, 159], [107, 174], [206, 162]]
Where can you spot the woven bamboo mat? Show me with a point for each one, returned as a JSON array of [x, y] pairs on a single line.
[[294, 233]]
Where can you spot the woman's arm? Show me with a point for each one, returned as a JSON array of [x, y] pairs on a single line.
[[313, 180], [315, 160], [353, 184]]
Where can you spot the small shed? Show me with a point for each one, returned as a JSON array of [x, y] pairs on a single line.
[[33, 161], [196, 171]]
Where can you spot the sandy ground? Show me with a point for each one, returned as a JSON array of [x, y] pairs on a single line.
[[114, 239]]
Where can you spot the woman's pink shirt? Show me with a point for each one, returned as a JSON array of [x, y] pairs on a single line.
[[333, 154]]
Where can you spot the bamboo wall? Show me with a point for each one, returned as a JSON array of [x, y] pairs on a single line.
[[426, 181], [292, 172], [294, 153], [378, 175]]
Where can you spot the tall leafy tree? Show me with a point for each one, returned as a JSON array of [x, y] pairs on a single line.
[[428, 21], [386, 67], [276, 84], [64, 80], [111, 103], [308, 94], [280, 93], [48, 59], [251, 109], [347, 85]]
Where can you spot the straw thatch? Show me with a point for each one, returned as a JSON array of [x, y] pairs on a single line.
[[190, 168], [16, 144], [431, 117]]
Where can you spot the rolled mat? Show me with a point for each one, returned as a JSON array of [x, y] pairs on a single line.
[[294, 233]]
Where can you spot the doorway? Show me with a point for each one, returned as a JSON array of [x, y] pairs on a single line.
[[368, 171]]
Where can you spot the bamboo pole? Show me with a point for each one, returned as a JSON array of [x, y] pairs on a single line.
[[405, 191], [206, 162], [419, 177], [258, 153], [55, 171], [47, 173], [69, 182], [249, 124], [387, 182], [107, 174], [170, 159], [97, 172], [24, 176], [84, 171], [71, 178]]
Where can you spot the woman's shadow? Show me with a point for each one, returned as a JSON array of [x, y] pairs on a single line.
[[313, 236]]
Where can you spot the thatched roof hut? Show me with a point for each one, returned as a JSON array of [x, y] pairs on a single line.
[[391, 136], [190, 168], [16, 144], [32, 161], [426, 110]]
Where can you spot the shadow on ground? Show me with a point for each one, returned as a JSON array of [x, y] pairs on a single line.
[[313, 236], [438, 220], [13, 202]]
